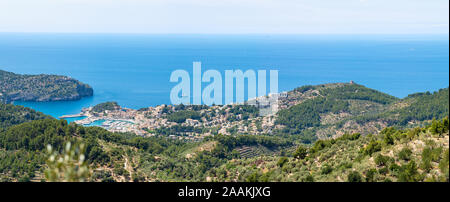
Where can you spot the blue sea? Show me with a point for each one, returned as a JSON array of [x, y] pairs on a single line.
[[134, 69]]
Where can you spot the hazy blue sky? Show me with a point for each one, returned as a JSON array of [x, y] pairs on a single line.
[[225, 16]]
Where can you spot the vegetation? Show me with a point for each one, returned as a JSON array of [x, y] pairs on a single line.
[[12, 115], [356, 158], [121, 157], [181, 116], [307, 114], [70, 166], [102, 107], [126, 157], [355, 108], [40, 88], [409, 144]]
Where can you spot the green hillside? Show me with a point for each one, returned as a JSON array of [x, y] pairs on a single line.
[[40, 88], [12, 115], [117, 157], [336, 109], [412, 155], [352, 133]]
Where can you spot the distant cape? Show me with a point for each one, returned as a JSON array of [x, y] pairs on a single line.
[[41, 88]]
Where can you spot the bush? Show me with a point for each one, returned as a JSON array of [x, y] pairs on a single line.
[[405, 154], [308, 178], [381, 160], [409, 173], [301, 152], [394, 168], [372, 147], [254, 177], [354, 177], [282, 161], [428, 155], [383, 171], [326, 170], [388, 139], [370, 175]]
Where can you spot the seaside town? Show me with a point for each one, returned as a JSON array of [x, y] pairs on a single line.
[[190, 122]]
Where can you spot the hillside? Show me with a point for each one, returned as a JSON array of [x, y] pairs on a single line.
[[352, 133], [117, 157], [15, 87], [419, 154], [12, 115], [331, 110]]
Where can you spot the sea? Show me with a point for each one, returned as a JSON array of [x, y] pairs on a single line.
[[134, 69]]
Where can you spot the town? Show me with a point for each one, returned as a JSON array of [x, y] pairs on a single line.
[[189, 122]]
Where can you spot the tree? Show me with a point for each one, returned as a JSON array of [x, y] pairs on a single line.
[[439, 127], [301, 152], [282, 161], [372, 147], [388, 139], [370, 175], [409, 172]]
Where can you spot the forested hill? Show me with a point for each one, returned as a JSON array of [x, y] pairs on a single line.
[[330, 110], [40, 88], [12, 115]]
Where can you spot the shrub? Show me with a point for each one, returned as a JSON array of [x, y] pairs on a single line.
[[409, 172], [388, 139], [370, 175], [354, 177], [383, 171], [372, 147], [282, 161], [405, 154], [253, 177], [381, 160], [308, 178], [394, 168], [430, 154], [444, 164], [301, 152], [326, 170]]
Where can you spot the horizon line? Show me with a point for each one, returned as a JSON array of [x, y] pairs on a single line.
[[187, 33]]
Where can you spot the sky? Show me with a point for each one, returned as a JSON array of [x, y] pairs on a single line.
[[226, 16]]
